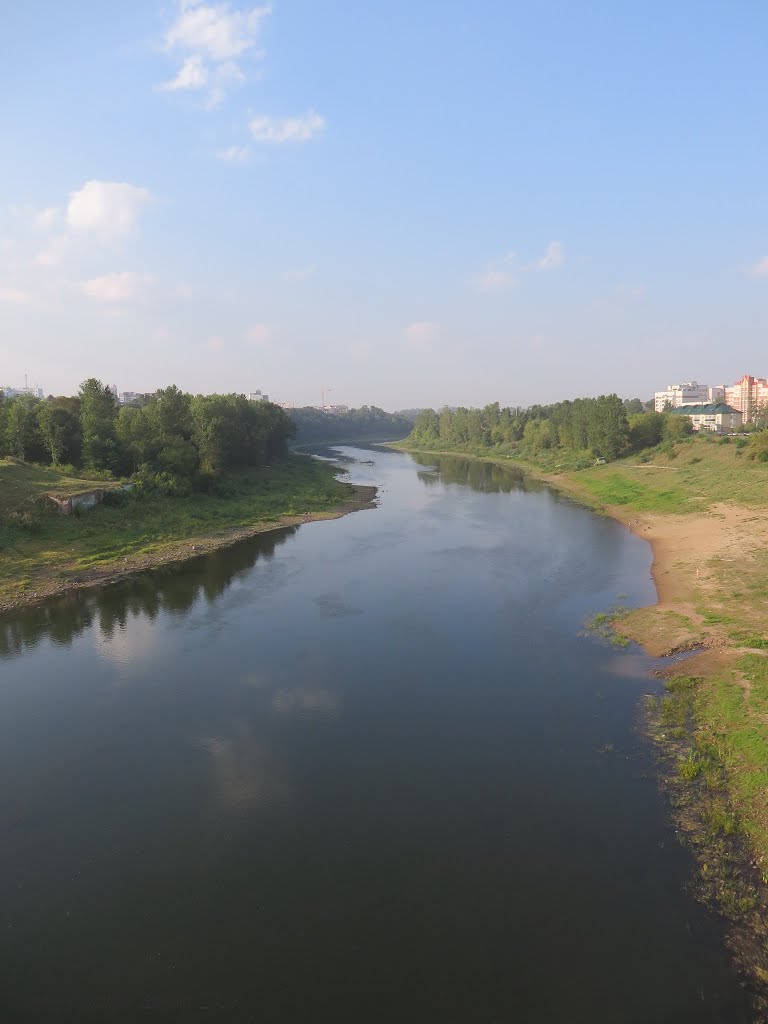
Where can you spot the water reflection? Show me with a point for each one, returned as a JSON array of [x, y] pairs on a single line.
[[488, 477], [173, 589]]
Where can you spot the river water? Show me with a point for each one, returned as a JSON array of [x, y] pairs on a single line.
[[368, 769]]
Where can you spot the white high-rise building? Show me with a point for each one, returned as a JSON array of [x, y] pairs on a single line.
[[688, 393]]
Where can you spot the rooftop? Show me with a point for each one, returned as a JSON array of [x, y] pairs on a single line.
[[705, 408]]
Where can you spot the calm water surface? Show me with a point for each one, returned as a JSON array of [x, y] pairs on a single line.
[[354, 771]]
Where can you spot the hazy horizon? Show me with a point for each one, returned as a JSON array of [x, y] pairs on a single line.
[[418, 206]]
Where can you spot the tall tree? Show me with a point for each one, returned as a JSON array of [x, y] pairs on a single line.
[[101, 449]]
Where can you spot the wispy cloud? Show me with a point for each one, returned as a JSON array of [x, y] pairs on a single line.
[[498, 275], [52, 254], [504, 273], [234, 154], [422, 333], [276, 130], [116, 288], [45, 219], [214, 39], [193, 74], [14, 296], [759, 269], [299, 273], [615, 307], [107, 207], [260, 334], [553, 258]]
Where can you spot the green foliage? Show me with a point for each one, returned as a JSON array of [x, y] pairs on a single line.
[[98, 418], [645, 430], [366, 423], [173, 441], [676, 427], [757, 446], [587, 428]]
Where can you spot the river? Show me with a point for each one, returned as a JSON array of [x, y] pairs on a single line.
[[360, 770]]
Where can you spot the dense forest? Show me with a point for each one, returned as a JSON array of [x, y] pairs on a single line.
[[584, 429], [368, 423], [173, 443]]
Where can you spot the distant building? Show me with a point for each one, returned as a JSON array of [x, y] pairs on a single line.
[[15, 392], [686, 393], [334, 410], [711, 417], [257, 396], [748, 395], [134, 397]]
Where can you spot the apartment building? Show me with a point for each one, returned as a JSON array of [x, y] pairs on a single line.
[[688, 393], [711, 417], [748, 395]]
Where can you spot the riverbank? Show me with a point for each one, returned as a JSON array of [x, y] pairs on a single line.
[[704, 510], [44, 554]]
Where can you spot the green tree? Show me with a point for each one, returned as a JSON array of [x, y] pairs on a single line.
[[22, 430], [646, 430], [101, 449], [677, 426], [60, 431]]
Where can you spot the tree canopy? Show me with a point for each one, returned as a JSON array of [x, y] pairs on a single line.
[[174, 441]]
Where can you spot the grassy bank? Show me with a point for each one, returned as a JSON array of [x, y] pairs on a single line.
[[42, 552], [704, 508]]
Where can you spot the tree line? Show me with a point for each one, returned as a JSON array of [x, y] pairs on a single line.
[[603, 428], [173, 442], [365, 423]]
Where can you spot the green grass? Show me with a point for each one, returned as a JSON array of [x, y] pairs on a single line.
[[695, 475], [45, 546], [617, 488], [21, 484]]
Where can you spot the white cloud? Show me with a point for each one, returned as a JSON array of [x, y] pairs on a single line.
[[192, 74], [552, 258], [498, 275], [234, 154], [119, 287], [299, 273], [14, 296], [46, 218], [215, 30], [759, 269], [288, 129], [260, 334], [109, 207], [54, 252], [421, 333], [214, 37]]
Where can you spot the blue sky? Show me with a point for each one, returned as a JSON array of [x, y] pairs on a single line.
[[414, 203]]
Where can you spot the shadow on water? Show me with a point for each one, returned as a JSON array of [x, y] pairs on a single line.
[[172, 588]]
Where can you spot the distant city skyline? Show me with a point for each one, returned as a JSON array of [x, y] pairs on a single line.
[[419, 205]]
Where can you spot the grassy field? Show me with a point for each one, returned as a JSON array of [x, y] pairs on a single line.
[[695, 475], [41, 550]]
